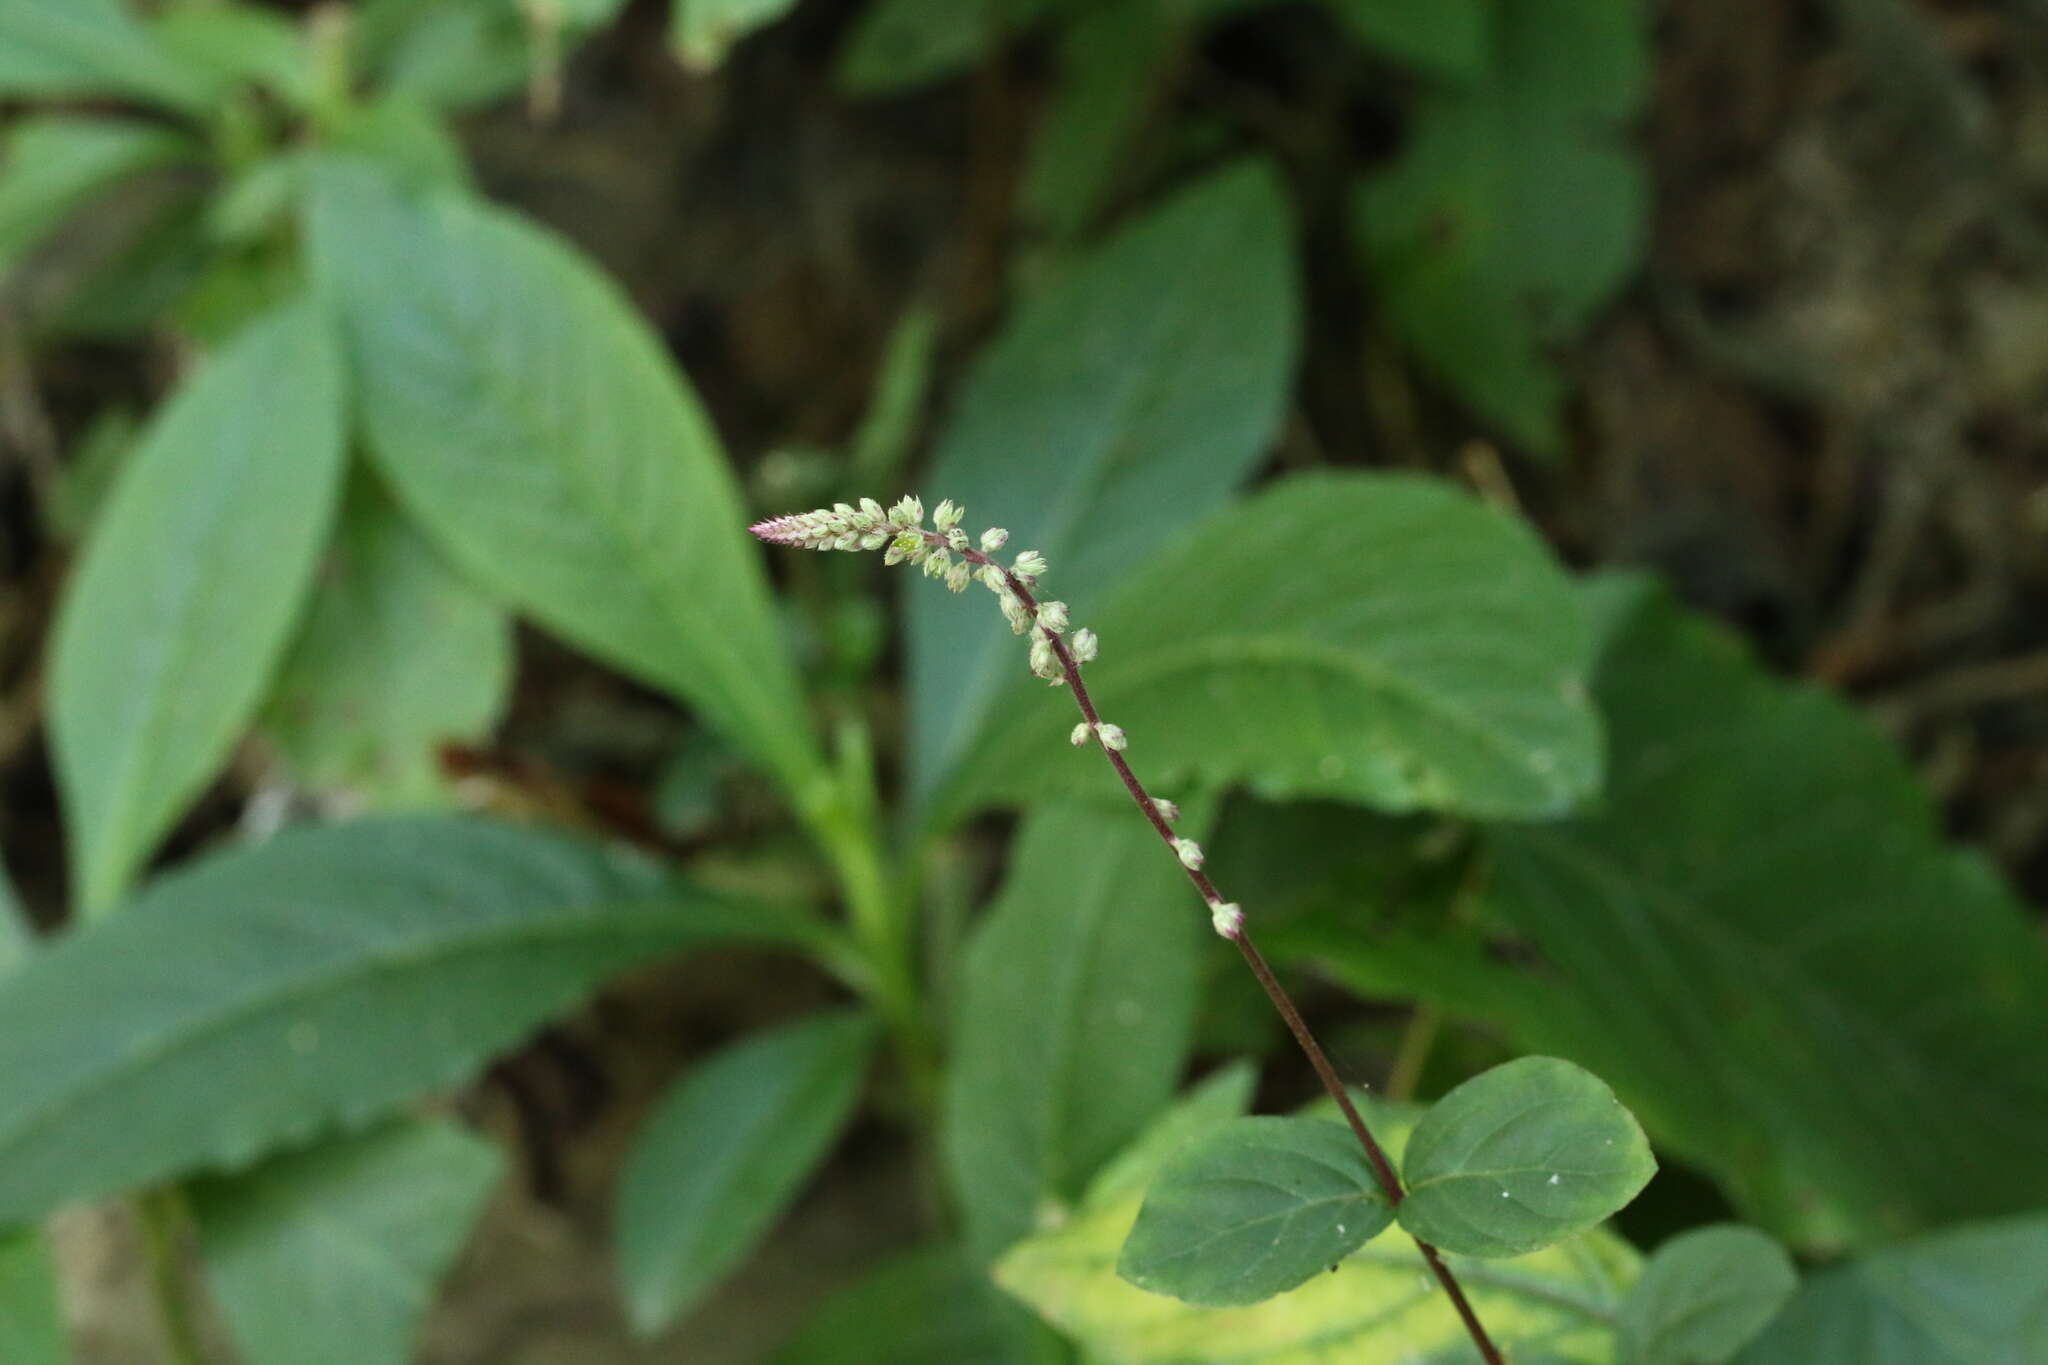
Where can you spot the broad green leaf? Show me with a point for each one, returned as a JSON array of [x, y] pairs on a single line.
[[316, 981], [1381, 638], [888, 429], [31, 1329], [1762, 942], [1516, 210], [1076, 1011], [897, 45], [190, 584], [527, 418], [398, 654], [1252, 1209], [1703, 1296], [1115, 408], [1972, 1295], [1379, 1305], [232, 45], [1111, 56], [724, 1154], [1443, 37], [66, 49], [929, 1307], [1521, 1157], [1216, 1100], [455, 54], [332, 1255], [17, 935], [53, 165], [703, 31]]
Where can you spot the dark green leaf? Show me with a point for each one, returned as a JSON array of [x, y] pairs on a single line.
[[313, 982], [332, 1255], [53, 165], [1974, 1295], [1076, 1012], [889, 428], [1120, 405], [1111, 59], [929, 1307], [1763, 943], [1380, 638], [1251, 1209], [725, 1153], [17, 935], [1703, 1296], [1444, 37], [65, 49], [31, 1331], [531, 423], [190, 584], [703, 31], [1217, 1100], [1521, 1157], [455, 54], [397, 655], [899, 44]]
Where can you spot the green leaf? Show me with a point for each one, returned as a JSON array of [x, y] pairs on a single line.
[[1973, 1295], [1521, 1157], [1252, 1209], [889, 427], [1762, 942], [31, 1329], [1379, 1305], [1516, 210], [703, 31], [1115, 408], [527, 418], [1111, 57], [398, 655], [1215, 1101], [52, 165], [1443, 37], [898, 45], [1076, 1012], [724, 1154], [17, 934], [1380, 638], [1703, 1296], [231, 45], [66, 49], [929, 1307], [456, 54], [190, 583], [317, 981], [332, 1255]]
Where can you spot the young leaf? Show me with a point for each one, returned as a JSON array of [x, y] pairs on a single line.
[[1521, 1157], [1703, 1296], [1215, 1101], [1251, 1209], [529, 421], [1381, 638], [929, 1307], [31, 1331], [53, 165], [725, 1152], [397, 655], [331, 1255], [315, 981], [190, 583], [1076, 1012], [68, 49], [1762, 942], [1971, 1295], [1120, 405], [703, 31], [1516, 210]]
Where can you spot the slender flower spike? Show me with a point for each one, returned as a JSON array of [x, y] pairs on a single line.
[[1228, 919], [1112, 736], [1190, 853], [1083, 646]]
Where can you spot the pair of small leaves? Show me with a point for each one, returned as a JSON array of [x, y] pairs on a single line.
[[1520, 1158]]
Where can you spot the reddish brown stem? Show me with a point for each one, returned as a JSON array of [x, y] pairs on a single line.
[[1382, 1169]]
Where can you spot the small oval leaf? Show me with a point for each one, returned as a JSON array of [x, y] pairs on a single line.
[[1704, 1296], [1252, 1209], [1522, 1157]]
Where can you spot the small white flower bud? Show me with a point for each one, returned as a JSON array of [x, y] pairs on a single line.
[[849, 541], [1168, 811], [1043, 661], [873, 540], [1112, 736], [1084, 645], [1014, 613], [935, 564], [1190, 853], [993, 539], [957, 538], [948, 515], [894, 554], [908, 511], [873, 509], [1079, 736], [1030, 564], [992, 578], [1053, 616], [958, 575], [1228, 919]]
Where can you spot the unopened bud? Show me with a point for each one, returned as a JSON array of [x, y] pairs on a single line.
[[1083, 645], [1079, 736], [1168, 811], [1190, 853], [1112, 735], [1228, 919], [993, 539]]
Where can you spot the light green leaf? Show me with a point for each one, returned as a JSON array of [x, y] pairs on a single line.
[[1379, 1305], [1703, 1296], [1973, 1295], [1380, 638], [1252, 1209], [929, 1307], [64, 49], [191, 581], [231, 45], [1443, 37], [456, 54], [1076, 1012], [1216, 1100], [398, 654], [703, 31], [527, 418], [1521, 1157], [724, 1154], [1117, 407], [1516, 210], [316, 981], [52, 165], [1762, 942], [31, 1329], [332, 1255]]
